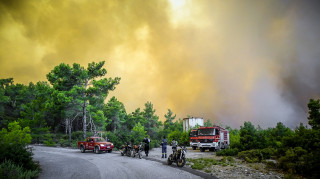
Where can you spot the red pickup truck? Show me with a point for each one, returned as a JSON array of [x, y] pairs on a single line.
[[97, 144]]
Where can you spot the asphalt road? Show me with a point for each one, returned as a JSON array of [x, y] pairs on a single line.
[[71, 163]]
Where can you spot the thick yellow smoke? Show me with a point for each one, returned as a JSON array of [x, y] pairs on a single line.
[[221, 60]]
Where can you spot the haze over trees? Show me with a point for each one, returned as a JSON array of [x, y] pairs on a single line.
[[73, 106]]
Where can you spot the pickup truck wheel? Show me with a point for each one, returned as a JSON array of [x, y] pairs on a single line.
[[82, 149], [96, 150], [194, 148], [202, 149]]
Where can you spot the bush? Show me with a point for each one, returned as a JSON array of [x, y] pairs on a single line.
[[63, 142], [256, 155], [19, 155], [49, 141], [77, 135], [9, 169], [296, 161], [228, 152]]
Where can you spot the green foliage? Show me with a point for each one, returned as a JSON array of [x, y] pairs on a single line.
[[10, 170], [234, 137], [256, 155], [174, 135], [15, 135], [208, 123], [13, 142], [138, 133], [314, 113], [184, 139], [151, 120], [228, 152], [208, 163], [49, 141], [115, 114], [296, 161], [248, 136]]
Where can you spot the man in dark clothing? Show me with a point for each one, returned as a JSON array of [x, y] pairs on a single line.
[[146, 145], [164, 147]]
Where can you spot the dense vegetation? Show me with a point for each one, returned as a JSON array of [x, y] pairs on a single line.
[[69, 108], [296, 152], [73, 106]]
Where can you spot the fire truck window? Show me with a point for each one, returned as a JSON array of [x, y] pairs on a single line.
[[217, 131]]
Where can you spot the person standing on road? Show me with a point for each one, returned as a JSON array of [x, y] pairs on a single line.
[[174, 144], [164, 147], [146, 141]]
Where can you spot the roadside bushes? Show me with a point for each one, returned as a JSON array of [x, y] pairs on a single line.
[[228, 152], [256, 155], [14, 156], [10, 170]]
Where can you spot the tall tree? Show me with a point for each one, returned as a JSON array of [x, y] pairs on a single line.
[[314, 113], [115, 114], [169, 119], [86, 81], [152, 120]]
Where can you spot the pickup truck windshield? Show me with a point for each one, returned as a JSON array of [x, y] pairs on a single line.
[[99, 139], [202, 132]]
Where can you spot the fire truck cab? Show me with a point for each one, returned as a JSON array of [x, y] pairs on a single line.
[[194, 139], [212, 138]]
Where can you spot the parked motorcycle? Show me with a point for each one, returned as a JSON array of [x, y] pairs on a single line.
[[126, 150], [178, 157], [137, 150]]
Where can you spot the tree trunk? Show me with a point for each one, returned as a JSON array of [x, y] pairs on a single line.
[[69, 126], [85, 112], [66, 123]]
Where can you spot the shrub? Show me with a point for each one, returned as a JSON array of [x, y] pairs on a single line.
[[49, 141], [19, 155], [228, 152], [9, 169], [256, 155], [296, 161]]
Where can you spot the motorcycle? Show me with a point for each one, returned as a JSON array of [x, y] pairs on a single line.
[[137, 150], [178, 156], [126, 150]]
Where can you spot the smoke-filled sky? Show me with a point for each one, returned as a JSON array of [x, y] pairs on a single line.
[[227, 61]]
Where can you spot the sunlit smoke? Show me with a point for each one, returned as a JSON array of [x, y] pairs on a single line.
[[227, 61]]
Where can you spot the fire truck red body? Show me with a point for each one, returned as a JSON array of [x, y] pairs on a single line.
[[212, 138], [194, 139]]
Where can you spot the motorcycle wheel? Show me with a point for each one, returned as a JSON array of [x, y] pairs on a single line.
[[169, 161], [181, 162]]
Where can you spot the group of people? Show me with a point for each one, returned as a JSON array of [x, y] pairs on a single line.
[[164, 142]]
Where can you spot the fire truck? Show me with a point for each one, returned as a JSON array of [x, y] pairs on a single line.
[[194, 138], [212, 138]]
